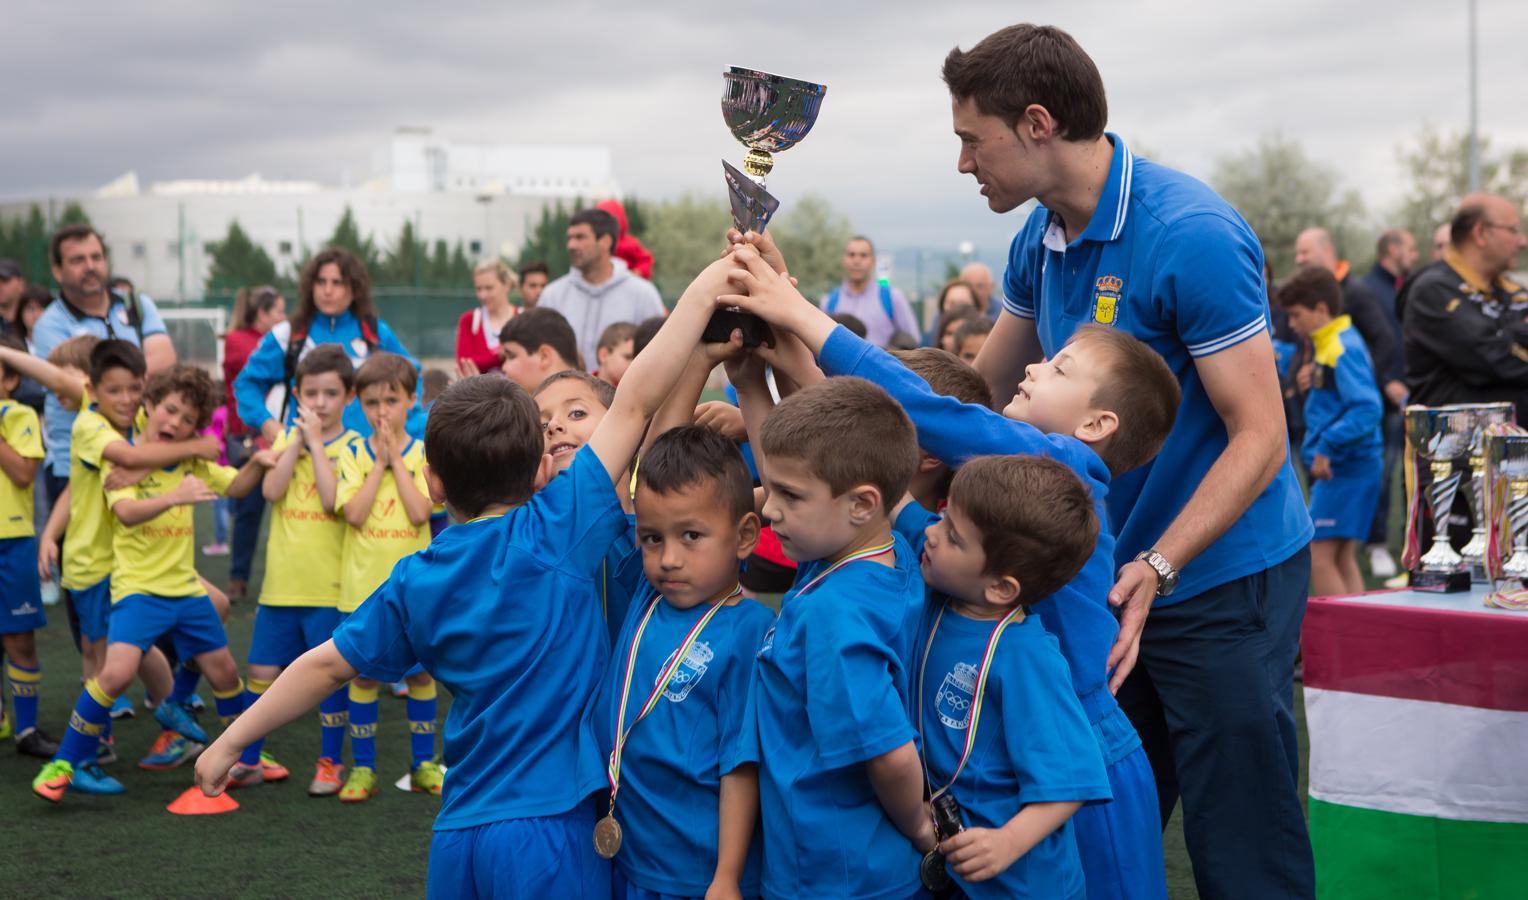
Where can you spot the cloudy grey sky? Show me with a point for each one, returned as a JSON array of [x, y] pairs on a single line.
[[304, 90]]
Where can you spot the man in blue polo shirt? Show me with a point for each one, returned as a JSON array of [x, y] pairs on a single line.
[[1211, 538]]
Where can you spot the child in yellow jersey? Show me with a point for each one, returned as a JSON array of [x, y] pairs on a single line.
[[154, 587], [20, 591], [384, 498], [299, 600]]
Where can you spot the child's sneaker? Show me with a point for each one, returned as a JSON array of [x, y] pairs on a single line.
[[400, 689], [170, 751], [173, 717], [122, 708], [215, 550], [5, 725], [51, 783], [326, 778], [90, 778], [242, 776], [37, 743], [106, 751], [272, 770], [360, 786], [427, 778]]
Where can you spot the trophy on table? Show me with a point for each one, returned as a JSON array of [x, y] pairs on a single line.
[[1438, 443], [767, 114], [1507, 504], [1488, 417]]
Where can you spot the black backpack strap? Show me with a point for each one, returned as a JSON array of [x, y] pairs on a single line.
[[295, 343], [134, 314]]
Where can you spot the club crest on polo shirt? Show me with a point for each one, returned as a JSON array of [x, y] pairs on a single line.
[[953, 702], [689, 673], [1106, 297], [767, 644]]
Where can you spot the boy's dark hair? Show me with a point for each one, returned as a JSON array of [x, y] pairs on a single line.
[[75, 352], [947, 374], [116, 354], [389, 369], [854, 323], [537, 266], [972, 326], [647, 329], [537, 327], [1021, 65], [690, 455], [435, 383], [1137, 386], [616, 333], [327, 358], [811, 425], [76, 232], [11, 342], [603, 224], [1036, 519], [953, 319], [193, 385], [1311, 288], [604, 391], [483, 441]]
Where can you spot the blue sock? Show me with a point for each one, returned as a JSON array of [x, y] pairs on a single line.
[[24, 683], [253, 688], [186, 680], [87, 725], [229, 703], [333, 716], [363, 726], [421, 712]]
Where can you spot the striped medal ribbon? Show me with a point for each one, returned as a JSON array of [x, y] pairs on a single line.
[[867, 553]]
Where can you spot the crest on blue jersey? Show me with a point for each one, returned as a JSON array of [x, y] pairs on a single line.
[[953, 702], [691, 669], [1106, 299], [767, 644]]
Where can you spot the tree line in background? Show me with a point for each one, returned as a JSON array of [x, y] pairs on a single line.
[[1275, 185]]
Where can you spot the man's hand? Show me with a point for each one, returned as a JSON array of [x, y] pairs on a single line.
[[121, 477], [1134, 592], [1397, 394], [212, 767], [1321, 468], [47, 559], [192, 490], [723, 418], [976, 854]]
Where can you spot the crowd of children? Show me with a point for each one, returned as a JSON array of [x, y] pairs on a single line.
[[927, 715]]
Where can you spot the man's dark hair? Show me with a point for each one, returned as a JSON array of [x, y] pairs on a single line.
[[604, 391], [76, 232], [1021, 65], [539, 326], [327, 358], [603, 223], [108, 355], [389, 369], [483, 441], [810, 425], [355, 275], [1036, 519], [1136, 385], [854, 323], [193, 385], [647, 329], [11, 342], [860, 237], [1312, 288], [1470, 214], [691, 455], [537, 266], [1389, 240]]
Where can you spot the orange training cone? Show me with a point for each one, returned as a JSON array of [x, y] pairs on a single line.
[[195, 803]]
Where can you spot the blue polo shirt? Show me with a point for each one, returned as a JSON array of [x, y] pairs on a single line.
[[56, 325], [504, 612], [1169, 261]]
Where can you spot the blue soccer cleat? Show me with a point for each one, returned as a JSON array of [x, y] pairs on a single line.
[[173, 717], [89, 778], [170, 750], [122, 708]]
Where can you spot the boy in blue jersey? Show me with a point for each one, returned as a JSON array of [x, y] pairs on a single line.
[[1102, 406], [840, 784], [684, 796], [502, 608], [1343, 449]]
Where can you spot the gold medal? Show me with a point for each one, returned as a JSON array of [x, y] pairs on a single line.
[[933, 873], [607, 837]]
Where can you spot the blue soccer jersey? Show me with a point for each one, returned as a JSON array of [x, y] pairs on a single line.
[[504, 611], [1032, 744], [673, 762], [621, 576], [830, 692], [1170, 262]]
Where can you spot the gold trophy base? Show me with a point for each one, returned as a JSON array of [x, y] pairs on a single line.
[[758, 162]]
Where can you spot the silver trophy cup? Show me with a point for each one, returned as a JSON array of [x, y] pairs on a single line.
[[1486, 415], [1440, 437], [767, 114], [1507, 463]]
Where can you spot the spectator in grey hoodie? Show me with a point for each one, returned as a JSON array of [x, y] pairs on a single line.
[[600, 290]]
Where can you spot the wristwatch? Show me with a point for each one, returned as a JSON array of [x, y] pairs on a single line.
[[1167, 576]]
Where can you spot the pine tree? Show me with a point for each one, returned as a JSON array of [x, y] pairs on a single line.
[[347, 236], [238, 262], [405, 261]]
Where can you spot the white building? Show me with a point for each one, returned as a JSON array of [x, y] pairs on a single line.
[[486, 197]]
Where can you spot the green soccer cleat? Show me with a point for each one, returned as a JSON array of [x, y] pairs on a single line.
[[5, 725], [427, 778], [51, 783], [360, 786]]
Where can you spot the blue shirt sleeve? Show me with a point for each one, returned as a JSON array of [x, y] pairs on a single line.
[[852, 703], [1050, 745], [374, 638], [733, 719], [1360, 415], [1209, 281], [574, 518], [261, 372], [149, 318], [51, 329]]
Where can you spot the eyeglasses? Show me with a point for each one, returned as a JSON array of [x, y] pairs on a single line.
[[1516, 228]]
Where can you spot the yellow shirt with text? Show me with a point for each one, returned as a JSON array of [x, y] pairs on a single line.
[[303, 557], [87, 549], [19, 429], [158, 557], [387, 536]]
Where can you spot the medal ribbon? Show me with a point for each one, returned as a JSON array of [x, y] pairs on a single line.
[[867, 553], [976, 696], [622, 732]]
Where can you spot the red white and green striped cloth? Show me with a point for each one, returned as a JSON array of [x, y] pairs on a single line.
[[1417, 711]]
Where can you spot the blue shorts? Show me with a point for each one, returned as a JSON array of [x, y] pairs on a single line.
[[283, 633], [93, 606], [1120, 842], [20, 588], [1343, 506], [191, 622], [551, 856]]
